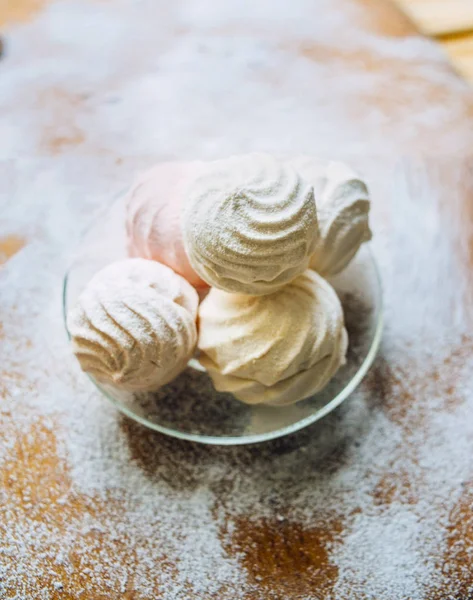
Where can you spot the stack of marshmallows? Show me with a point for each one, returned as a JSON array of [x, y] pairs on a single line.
[[255, 237]]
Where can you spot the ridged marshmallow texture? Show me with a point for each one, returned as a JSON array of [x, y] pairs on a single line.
[[274, 349], [134, 325], [249, 224], [153, 216], [343, 206]]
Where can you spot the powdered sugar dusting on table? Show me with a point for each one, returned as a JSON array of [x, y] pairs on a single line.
[[91, 504]]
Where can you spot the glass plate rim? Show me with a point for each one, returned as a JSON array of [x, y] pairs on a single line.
[[277, 433]]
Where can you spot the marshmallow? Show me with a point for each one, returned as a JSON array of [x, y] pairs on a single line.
[[343, 205], [134, 325], [153, 216], [273, 349], [249, 224]]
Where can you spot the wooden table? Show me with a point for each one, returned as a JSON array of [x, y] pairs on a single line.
[[374, 502]]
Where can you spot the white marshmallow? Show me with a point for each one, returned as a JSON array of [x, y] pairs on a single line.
[[249, 224], [343, 205], [273, 349], [134, 325]]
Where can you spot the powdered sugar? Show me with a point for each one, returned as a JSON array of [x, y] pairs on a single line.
[[92, 501]]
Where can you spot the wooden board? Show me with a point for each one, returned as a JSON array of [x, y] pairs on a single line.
[[440, 17], [374, 501], [451, 21]]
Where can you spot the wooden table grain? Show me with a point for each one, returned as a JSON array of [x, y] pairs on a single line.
[[94, 506]]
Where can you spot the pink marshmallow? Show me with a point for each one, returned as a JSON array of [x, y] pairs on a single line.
[[153, 220]]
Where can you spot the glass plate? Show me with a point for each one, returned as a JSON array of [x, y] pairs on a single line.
[[189, 407]]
